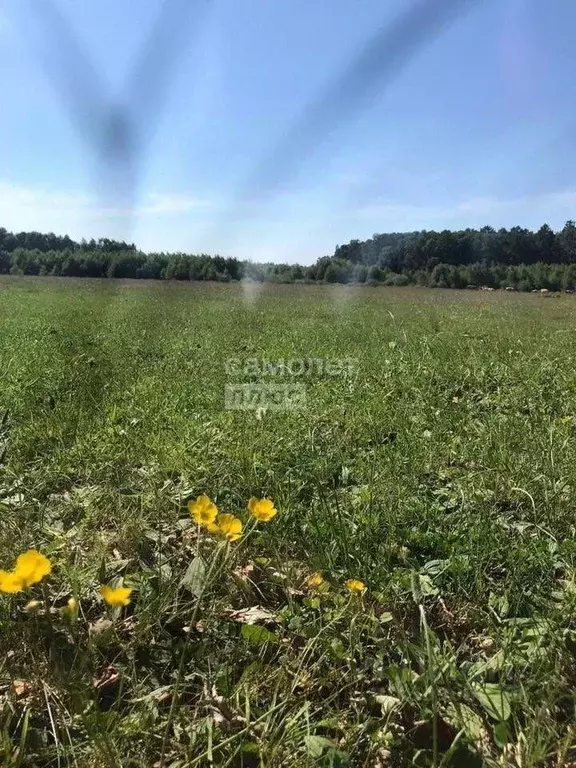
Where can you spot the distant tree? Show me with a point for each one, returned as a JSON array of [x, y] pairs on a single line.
[[567, 243], [152, 267], [233, 268], [351, 252], [125, 263], [331, 274], [513, 257], [360, 273], [440, 277], [399, 280], [318, 271], [375, 275]]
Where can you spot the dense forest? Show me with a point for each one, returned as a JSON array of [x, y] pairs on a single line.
[[505, 258]]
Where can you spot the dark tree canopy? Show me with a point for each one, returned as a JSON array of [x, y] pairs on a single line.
[[506, 258]]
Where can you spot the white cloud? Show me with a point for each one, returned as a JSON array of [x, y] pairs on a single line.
[[32, 208], [20, 197], [80, 215]]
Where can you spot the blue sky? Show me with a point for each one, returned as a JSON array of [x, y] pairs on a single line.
[[477, 127]]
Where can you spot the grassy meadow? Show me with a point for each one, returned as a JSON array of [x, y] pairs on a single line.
[[439, 470]]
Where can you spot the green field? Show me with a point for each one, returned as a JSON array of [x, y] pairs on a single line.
[[439, 469]]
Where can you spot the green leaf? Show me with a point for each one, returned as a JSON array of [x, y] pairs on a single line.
[[464, 717], [494, 699], [427, 585], [317, 744], [331, 724], [501, 734], [435, 567], [256, 634], [337, 648], [499, 604], [250, 747], [415, 586], [251, 671], [195, 576], [421, 585], [335, 758], [294, 623]]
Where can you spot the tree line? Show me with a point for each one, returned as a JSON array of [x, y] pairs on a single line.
[[518, 258]]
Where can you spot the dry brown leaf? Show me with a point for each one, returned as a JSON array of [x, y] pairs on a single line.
[[221, 712], [163, 697], [99, 627], [110, 676], [245, 572], [295, 592], [254, 615], [383, 758], [21, 688]]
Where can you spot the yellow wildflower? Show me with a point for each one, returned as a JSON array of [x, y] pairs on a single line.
[[10, 582], [355, 585], [71, 609], [213, 528], [116, 596], [203, 510], [229, 526], [262, 509], [30, 568], [315, 580]]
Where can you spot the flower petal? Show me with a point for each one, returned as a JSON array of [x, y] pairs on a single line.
[[116, 596], [203, 510], [32, 566], [10, 582], [262, 509], [355, 585], [230, 526]]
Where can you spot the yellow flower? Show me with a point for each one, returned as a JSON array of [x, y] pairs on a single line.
[[10, 582], [116, 596], [30, 568], [229, 526], [203, 510], [213, 528], [355, 585], [315, 580], [262, 509], [70, 611]]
